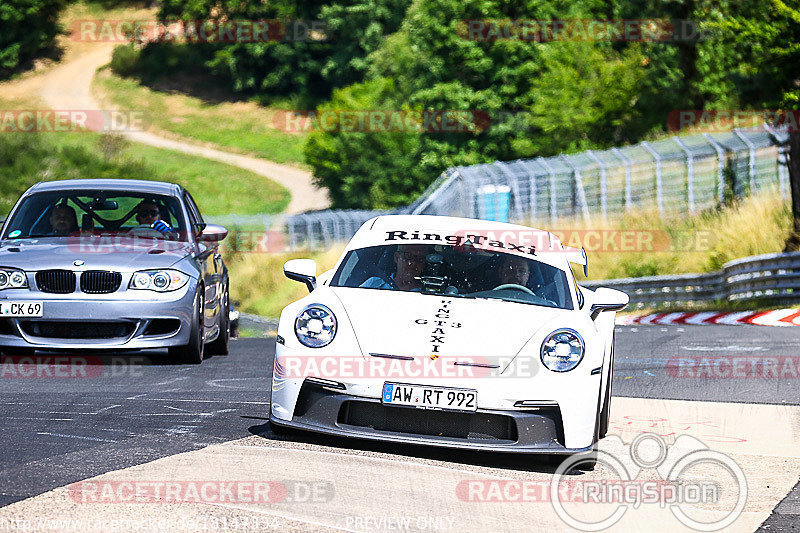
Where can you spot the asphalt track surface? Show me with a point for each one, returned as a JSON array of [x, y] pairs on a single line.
[[136, 408]]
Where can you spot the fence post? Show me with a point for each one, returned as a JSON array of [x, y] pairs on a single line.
[[532, 185], [783, 159], [752, 162], [542, 161], [309, 234], [659, 186], [436, 192], [627, 162], [513, 182], [579, 192], [689, 173], [720, 167], [603, 185], [292, 236]]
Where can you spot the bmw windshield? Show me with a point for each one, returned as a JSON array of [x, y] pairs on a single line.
[[455, 271], [96, 212]]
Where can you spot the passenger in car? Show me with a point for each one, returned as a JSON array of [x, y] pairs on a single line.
[[410, 262], [514, 270], [63, 220], [148, 215]]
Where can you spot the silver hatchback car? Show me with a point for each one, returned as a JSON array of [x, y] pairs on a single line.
[[112, 265]]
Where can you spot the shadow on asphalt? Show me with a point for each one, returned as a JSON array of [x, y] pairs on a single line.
[[80, 358], [508, 461]]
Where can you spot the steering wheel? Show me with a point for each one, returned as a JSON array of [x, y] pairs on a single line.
[[145, 232], [515, 287]]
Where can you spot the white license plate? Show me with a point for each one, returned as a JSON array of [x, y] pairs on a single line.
[[427, 397], [22, 309]]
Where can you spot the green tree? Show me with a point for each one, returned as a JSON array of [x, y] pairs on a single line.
[[27, 27], [540, 98], [324, 47]]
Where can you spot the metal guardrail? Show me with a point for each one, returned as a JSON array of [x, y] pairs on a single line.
[[771, 276], [673, 176]]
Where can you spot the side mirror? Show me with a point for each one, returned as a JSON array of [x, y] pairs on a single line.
[[303, 270], [212, 233], [607, 300]]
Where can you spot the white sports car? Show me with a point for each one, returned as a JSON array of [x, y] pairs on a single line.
[[448, 332]]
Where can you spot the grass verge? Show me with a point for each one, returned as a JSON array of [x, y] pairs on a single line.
[[26, 158], [239, 126], [702, 243]]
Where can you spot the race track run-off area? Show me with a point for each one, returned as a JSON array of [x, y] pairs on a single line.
[[705, 428]]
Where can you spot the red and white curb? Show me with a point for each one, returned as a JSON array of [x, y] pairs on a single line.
[[777, 317]]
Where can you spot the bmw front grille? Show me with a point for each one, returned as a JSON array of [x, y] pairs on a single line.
[[56, 281]]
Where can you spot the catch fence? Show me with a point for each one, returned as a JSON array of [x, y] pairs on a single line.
[[673, 176]]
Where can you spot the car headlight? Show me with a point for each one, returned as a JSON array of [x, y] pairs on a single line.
[[12, 279], [158, 280], [315, 326], [562, 350]]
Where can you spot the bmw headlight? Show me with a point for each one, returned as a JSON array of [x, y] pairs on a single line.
[[158, 280], [315, 326], [11, 278], [562, 350]]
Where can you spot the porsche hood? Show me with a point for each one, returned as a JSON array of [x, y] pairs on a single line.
[[414, 324]]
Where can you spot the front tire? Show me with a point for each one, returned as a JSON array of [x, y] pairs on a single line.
[[193, 352], [220, 346], [605, 413]]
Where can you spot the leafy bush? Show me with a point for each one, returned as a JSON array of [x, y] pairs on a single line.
[[305, 63], [124, 60], [26, 28]]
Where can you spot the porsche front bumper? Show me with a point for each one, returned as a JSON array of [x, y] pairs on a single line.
[[531, 430]]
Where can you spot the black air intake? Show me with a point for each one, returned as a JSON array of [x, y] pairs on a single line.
[[99, 282], [56, 281]]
